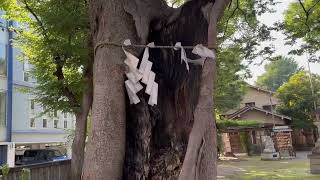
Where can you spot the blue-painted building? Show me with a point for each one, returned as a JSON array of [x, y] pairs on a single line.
[[21, 126]]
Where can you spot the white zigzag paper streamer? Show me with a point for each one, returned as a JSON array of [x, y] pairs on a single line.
[[144, 73], [147, 76]]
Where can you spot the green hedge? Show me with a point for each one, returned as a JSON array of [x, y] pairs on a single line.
[[224, 124]]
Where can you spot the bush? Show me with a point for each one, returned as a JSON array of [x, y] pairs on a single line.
[[224, 124]]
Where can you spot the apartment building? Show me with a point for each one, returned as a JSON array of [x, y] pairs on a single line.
[[22, 123]]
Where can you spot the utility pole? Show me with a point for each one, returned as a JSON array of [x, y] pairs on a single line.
[[317, 122], [312, 89], [271, 108], [271, 105]]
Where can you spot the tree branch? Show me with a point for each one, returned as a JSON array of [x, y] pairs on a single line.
[[37, 19], [308, 12], [232, 14], [313, 6], [65, 89], [57, 60]]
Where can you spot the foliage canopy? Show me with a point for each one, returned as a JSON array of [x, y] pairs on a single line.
[[302, 23], [277, 73], [297, 100], [53, 37]]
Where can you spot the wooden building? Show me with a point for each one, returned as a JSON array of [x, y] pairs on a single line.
[[258, 105]]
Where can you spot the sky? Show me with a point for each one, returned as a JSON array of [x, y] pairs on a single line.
[[281, 49]]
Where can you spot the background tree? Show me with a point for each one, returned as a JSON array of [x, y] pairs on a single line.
[[302, 23], [278, 72], [240, 33], [53, 37], [231, 73], [297, 99]]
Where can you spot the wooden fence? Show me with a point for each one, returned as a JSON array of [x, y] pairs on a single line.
[[59, 170]]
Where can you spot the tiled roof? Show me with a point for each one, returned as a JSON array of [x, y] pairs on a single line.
[[261, 89], [249, 108]]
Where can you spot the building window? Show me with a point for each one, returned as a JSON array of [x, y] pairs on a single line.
[[65, 115], [32, 104], [251, 104], [3, 60], [44, 123], [26, 73], [65, 124], [3, 24], [2, 109], [26, 77], [32, 123], [267, 107], [55, 113], [55, 123], [44, 109]]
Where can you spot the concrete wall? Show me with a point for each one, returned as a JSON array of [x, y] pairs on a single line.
[[3, 129], [3, 132], [260, 117], [3, 79], [3, 83], [39, 136], [261, 98]]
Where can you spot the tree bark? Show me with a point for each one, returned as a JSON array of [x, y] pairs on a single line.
[[172, 120], [201, 156], [78, 146], [104, 156], [79, 142]]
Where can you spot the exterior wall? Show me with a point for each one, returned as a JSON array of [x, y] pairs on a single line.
[[261, 117], [226, 143], [3, 83], [261, 98], [3, 129], [22, 114], [3, 77], [39, 136], [303, 140]]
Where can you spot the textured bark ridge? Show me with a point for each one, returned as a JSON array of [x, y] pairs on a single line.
[[157, 137]]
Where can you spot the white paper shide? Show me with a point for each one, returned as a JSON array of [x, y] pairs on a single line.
[[143, 73], [147, 76]]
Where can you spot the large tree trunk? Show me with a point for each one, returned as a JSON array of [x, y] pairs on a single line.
[[79, 142], [180, 107], [105, 151], [156, 137], [201, 156]]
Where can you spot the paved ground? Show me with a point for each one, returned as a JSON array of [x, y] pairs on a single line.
[[253, 168]]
